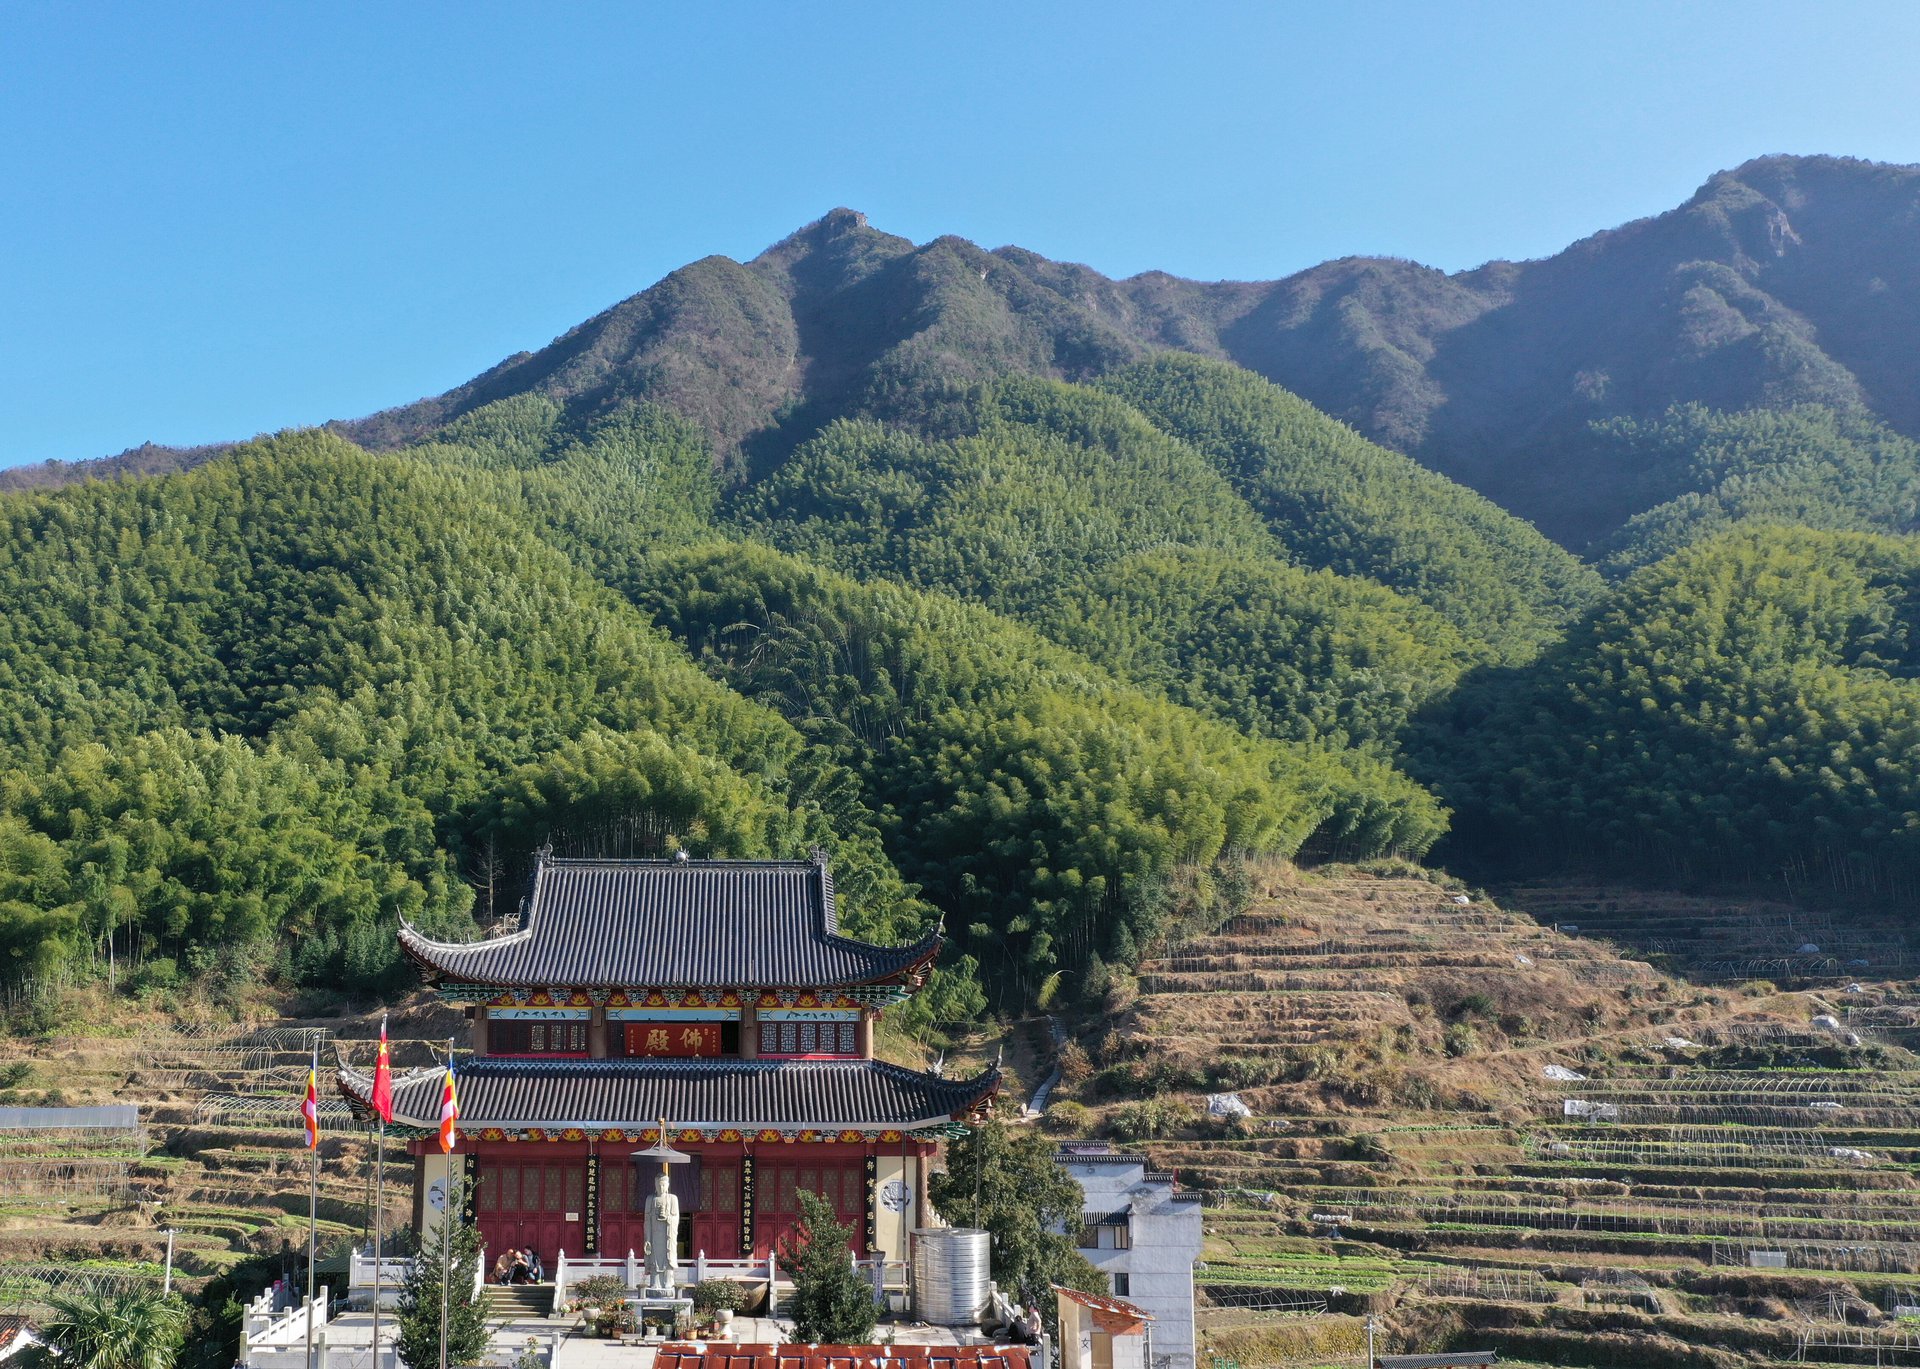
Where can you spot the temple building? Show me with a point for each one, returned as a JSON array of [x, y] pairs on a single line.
[[719, 996]]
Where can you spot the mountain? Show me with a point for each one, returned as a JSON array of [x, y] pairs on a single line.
[[149, 458], [1020, 589], [1787, 281], [1805, 465], [1048, 485]]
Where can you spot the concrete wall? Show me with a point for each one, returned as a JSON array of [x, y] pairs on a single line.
[[890, 1228], [1084, 1345], [434, 1168]]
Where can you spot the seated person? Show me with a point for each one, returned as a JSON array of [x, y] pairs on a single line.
[[536, 1271], [503, 1267]]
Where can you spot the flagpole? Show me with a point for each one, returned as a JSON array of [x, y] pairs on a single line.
[[446, 1215], [313, 1196], [379, 1196], [379, 1214]]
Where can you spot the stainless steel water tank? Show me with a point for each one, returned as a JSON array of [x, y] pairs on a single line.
[[952, 1280]]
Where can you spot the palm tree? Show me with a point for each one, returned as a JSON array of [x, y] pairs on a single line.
[[116, 1330]]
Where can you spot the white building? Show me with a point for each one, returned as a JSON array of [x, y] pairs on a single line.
[[1144, 1235]]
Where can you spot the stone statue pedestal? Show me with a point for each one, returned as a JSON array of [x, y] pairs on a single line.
[[657, 1308]]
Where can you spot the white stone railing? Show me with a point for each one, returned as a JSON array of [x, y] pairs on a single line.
[[885, 1276], [273, 1300], [882, 1275], [325, 1356], [632, 1273], [360, 1282], [273, 1332], [393, 1272]]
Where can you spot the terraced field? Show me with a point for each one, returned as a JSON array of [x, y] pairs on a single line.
[[1492, 1132], [218, 1159], [1727, 941]]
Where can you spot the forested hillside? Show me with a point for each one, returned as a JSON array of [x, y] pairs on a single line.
[[1748, 707], [258, 712], [1003, 582]]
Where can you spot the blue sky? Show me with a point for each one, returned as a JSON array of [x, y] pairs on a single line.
[[220, 220]]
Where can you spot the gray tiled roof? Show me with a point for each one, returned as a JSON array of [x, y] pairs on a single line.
[[679, 924], [635, 1093]]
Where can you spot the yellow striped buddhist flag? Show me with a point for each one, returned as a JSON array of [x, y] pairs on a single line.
[[310, 1111], [449, 1114]]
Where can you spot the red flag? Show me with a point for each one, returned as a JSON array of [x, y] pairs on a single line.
[[449, 1115], [383, 1079], [310, 1112]]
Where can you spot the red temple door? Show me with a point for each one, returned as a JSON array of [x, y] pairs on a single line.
[[843, 1183], [623, 1227], [716, 1222], [528, 1205], [709, 1221]]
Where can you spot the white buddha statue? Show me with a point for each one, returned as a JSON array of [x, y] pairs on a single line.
[[663, 1235]]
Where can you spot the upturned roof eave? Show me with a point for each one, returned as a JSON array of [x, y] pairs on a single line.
[[971, 1096], [917, 960]]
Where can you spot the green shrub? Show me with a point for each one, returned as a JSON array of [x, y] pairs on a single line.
[[1474, 1005], [598, 1288], [719, 1295], [1151, 1120], [1239, 1072], [1067, 1118]]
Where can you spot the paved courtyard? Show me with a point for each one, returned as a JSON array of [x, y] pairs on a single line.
[[352, 1333]]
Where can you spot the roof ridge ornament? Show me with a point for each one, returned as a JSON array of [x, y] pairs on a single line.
[[818, 855]]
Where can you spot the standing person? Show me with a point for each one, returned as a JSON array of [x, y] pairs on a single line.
[[1027, 1327]]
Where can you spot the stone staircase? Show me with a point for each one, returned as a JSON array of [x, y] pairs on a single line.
[[518, 1302]]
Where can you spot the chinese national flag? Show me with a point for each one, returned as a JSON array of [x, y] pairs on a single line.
[[383, 1079], [310, 1112], [449, 1115]]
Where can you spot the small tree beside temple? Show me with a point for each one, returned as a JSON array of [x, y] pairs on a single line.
[[455, 1247], [832, 1305], [1009, 1184]]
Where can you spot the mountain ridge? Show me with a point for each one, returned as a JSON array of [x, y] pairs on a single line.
[[1786, 280]]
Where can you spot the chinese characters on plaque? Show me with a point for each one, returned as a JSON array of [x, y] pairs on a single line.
[[673, 1039]]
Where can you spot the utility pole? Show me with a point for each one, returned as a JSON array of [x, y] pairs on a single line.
[[166, 1288], [1370, 1326]]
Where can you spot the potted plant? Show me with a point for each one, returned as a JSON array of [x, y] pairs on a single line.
[[616, 1317], [719, 1299]]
